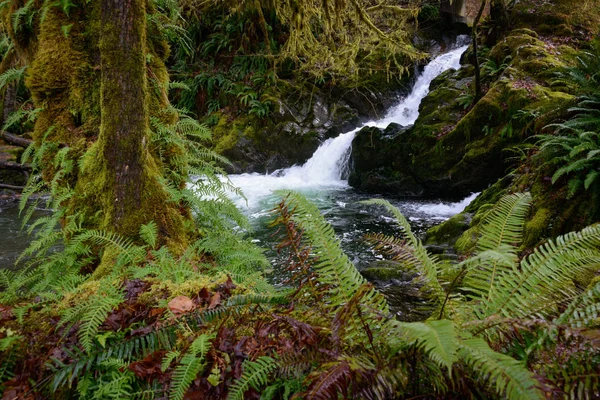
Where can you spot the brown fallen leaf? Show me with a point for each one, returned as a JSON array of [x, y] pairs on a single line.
[[180, 305], [5, 313], [215, 301]]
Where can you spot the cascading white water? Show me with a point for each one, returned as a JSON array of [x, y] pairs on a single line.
[[327, 165]]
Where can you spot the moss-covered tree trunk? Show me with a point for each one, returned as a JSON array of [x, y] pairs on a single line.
[[124, 112], [475, 38], [97, 87]]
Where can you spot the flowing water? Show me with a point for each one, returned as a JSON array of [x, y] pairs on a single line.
[[322, 180]]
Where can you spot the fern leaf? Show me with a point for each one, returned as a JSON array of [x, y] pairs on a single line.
[[255, 375], [94, 312], [438, 338], [168, 359], [504, 225], [584, 310], [189, 366], [149, 234], [547, 272], [591, 177], [333, 266], [508, 377], [11, 75], [415, 256]]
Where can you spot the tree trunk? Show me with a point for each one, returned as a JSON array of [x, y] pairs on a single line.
[[478, 90], [124, 113], [499, 20], [130, 175]]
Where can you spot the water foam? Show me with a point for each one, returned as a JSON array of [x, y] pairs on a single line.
[[329, 164]]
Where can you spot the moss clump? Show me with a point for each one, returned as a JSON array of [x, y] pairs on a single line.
[[536, 228], [448, 232], [386, 271], [574, 18]]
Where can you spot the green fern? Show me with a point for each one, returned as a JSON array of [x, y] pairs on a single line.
[[11, 75], [125, 351], [439, 339], [256, 375], [149, 234], [543, 281], [584, 309], [332, 264], [504, 374], [190, 365], [92, 313]]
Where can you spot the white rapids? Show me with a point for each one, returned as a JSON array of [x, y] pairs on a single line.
[[326, 169]]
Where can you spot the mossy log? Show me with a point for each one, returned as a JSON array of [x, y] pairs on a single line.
[[15, 139]]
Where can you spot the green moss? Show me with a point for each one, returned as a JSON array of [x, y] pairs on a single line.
[[536, 228], [559, 17], [449, 231], [386, 271], [467, 241], [225, 135]]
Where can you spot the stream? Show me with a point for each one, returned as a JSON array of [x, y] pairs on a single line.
[[322, 179]]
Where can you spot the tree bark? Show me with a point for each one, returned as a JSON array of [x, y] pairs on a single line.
[[499, 20], [14, 139], [478, 90], [15, 166], [124, 112]]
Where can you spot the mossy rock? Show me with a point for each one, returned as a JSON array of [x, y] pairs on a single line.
[[387, 271], [450, 152], [571, 18], [448, 232]]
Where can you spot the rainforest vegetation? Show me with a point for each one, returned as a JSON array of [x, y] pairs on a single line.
[[123, 117]]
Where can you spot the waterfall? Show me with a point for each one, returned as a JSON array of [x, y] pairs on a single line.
[[328, 164]]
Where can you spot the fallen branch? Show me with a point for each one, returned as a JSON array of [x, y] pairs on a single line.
[[15, 166], [12, 187], [21, 141], [14, 139]]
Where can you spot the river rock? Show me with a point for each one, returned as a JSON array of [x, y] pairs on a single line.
[[301, 120], [456, 148], [386, 272]]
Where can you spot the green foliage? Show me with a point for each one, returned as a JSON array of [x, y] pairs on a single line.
[[508, 377], [92, 313], [113, 381], [190, 364], [21, 119], [501, 234], [499, 285], [255, 375], [438, 339], [11, 75], [333, 266], [573, 150], [409, 250]]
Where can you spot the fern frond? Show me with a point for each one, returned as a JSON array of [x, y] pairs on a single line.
[[97, 309], [508, 377], [547, 273], [189, 366], [83, 362], [11, 75], [414, 255], [149, 234], [332, 264], [504, 225], [256, 375], [168, 359], [439, 339]]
